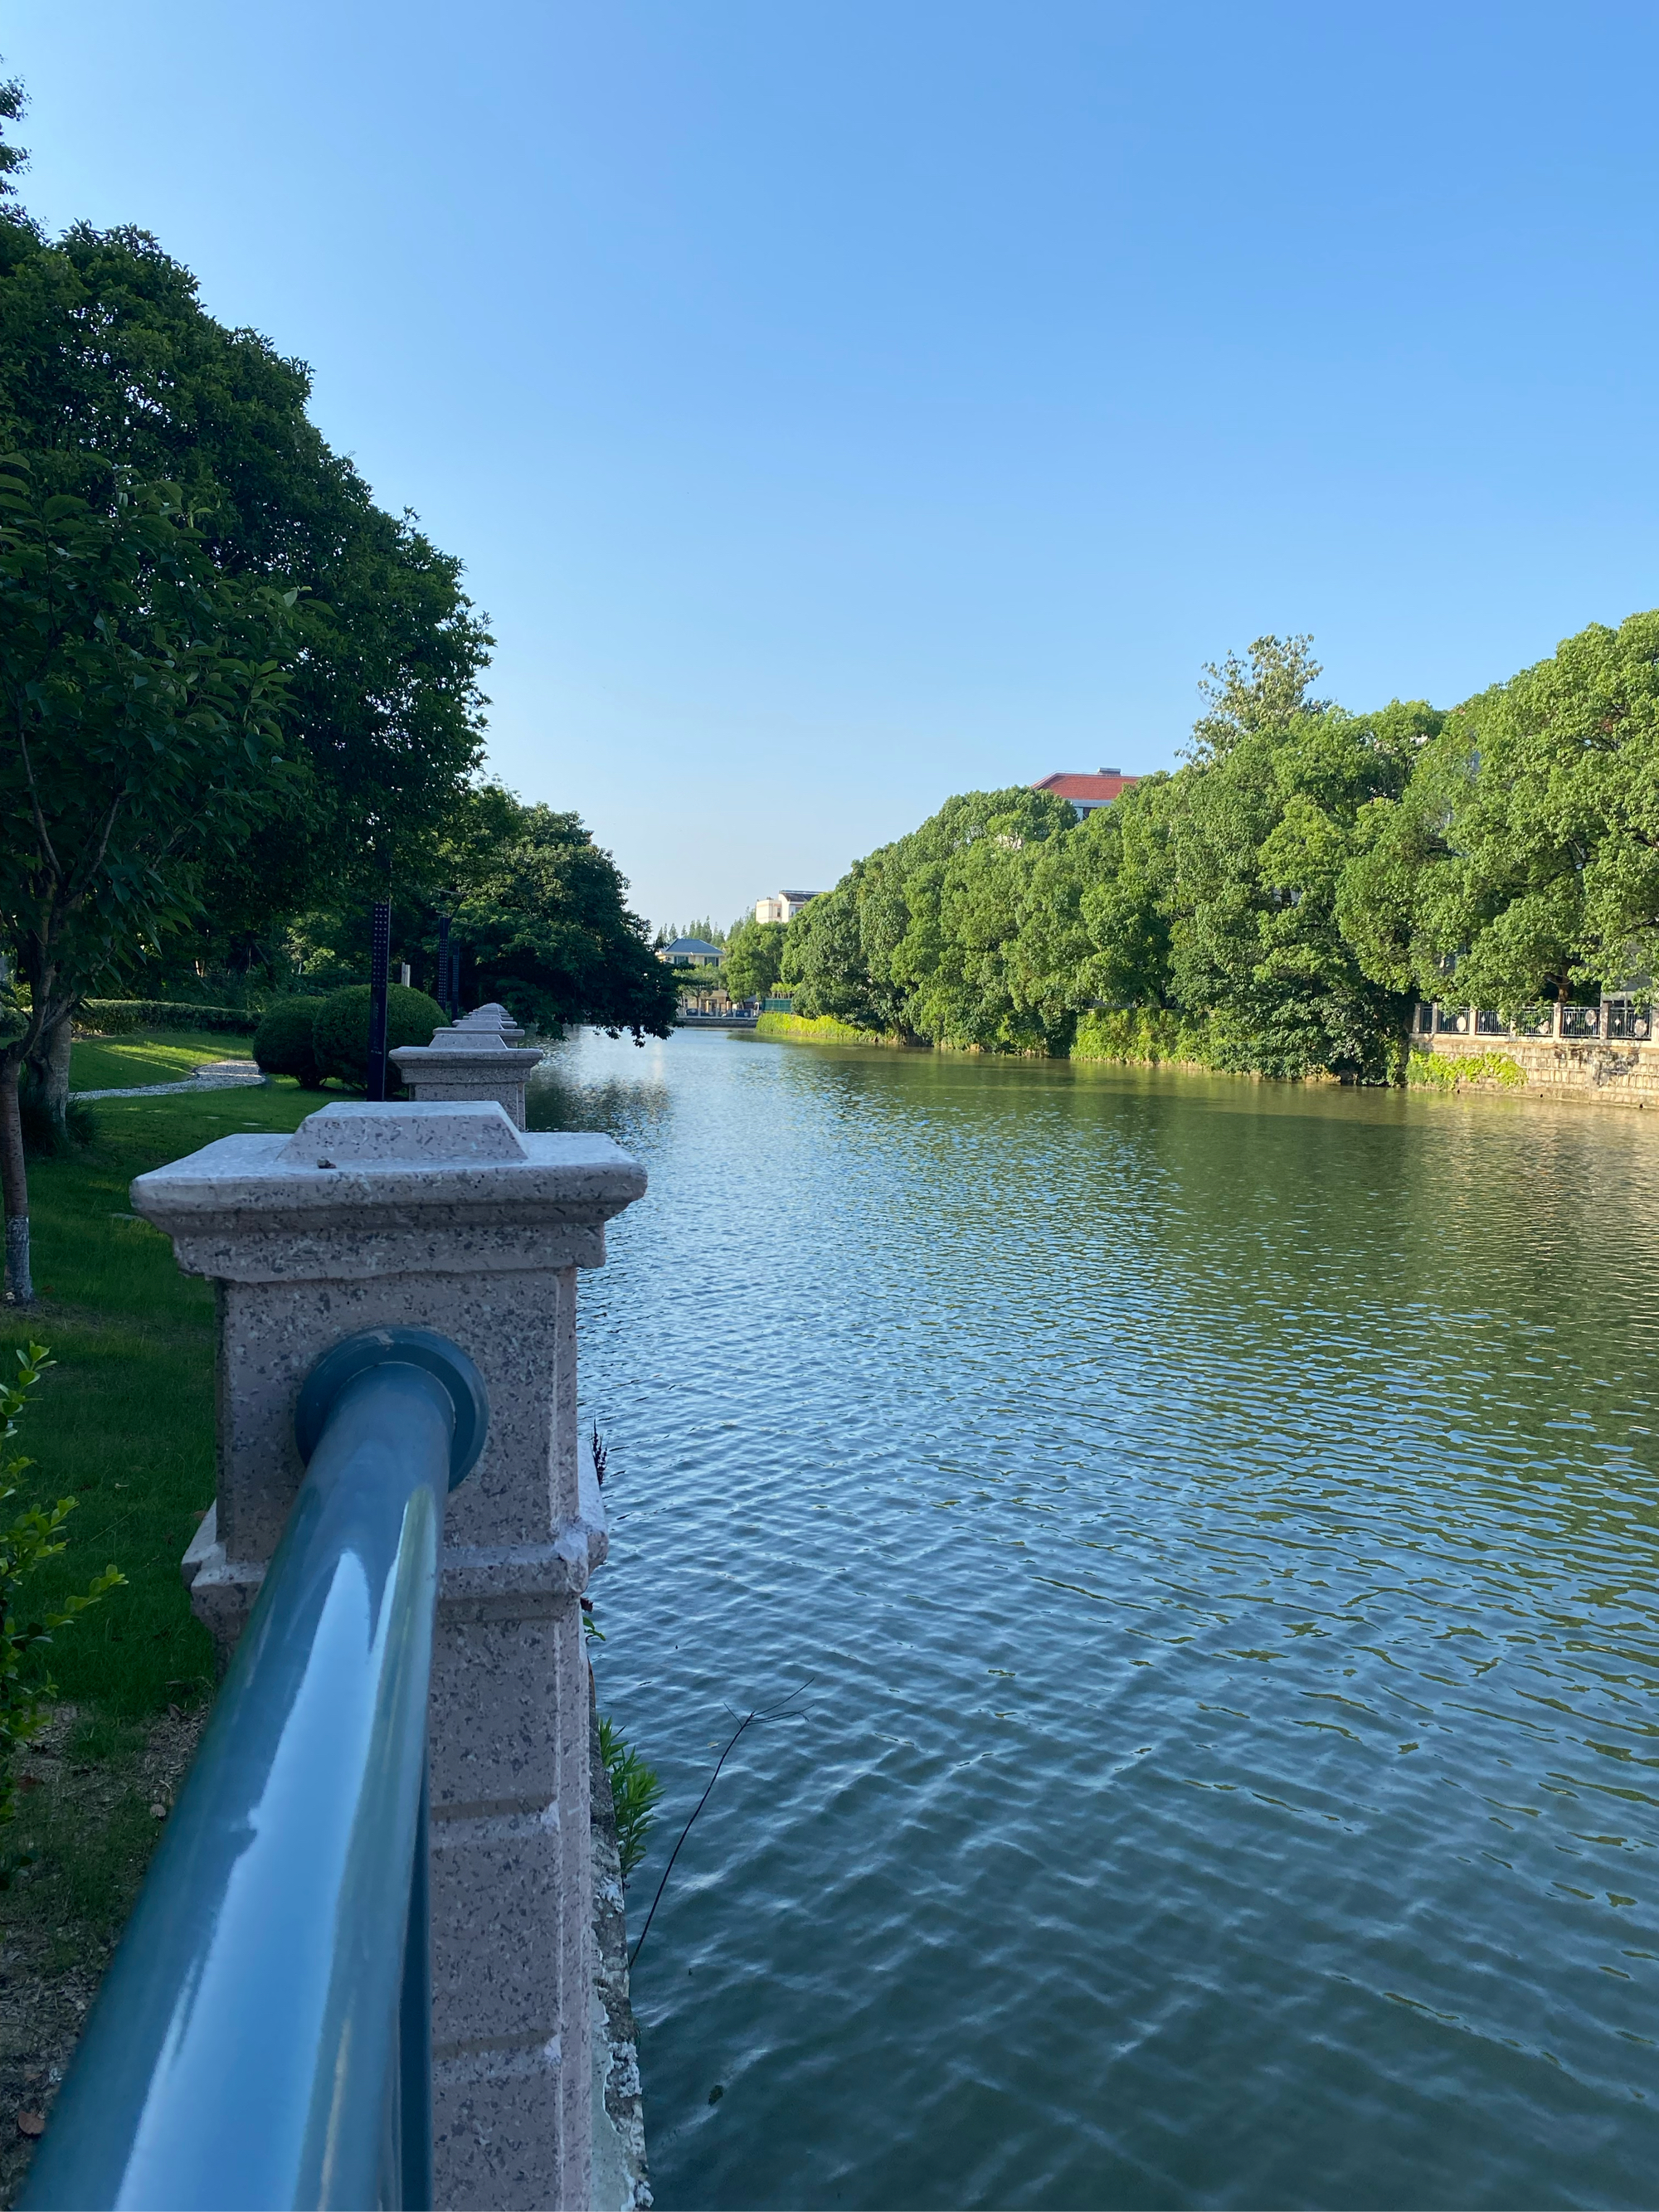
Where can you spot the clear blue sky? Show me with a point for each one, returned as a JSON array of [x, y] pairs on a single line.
[[841, 402]]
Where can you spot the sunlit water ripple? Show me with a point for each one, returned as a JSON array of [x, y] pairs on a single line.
[[1216, 1521]]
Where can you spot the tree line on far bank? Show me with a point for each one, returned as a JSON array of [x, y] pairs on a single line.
[[1283, 900], [241, 703]]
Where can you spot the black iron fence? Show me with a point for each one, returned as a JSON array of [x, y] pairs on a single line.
[[1623, 1019]]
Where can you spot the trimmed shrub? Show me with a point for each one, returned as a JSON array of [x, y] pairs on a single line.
[[109, 1017], [342, 1031], [285, 1043]]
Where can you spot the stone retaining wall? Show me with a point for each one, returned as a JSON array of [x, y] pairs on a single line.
[[622, 2180], [1598, 1072]]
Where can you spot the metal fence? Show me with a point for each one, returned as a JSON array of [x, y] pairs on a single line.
[[1624, 1019], [263, 2035]]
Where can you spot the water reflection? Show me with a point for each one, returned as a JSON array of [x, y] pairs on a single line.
[[1219, 1518]]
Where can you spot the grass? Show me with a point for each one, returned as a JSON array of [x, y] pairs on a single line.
[[165, 1056], [125, 1421], [88, 1831]]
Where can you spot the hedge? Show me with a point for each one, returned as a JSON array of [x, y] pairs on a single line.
[[285, 1042], [112, 1016], [340, 1037]]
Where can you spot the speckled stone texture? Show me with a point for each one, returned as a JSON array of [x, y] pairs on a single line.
[[493, 1016], [444, 1216], [480, 1058], [622, 2177]]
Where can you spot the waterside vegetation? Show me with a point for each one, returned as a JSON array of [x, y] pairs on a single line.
[[1281, 902]]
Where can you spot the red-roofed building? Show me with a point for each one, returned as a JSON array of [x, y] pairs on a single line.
[[1088, 792]]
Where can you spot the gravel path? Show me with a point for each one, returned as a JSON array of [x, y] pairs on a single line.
[[212, 1075]]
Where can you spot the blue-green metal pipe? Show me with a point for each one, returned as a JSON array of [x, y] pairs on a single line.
[[249, 2046]]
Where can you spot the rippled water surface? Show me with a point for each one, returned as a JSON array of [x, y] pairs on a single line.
[[1216, 1521]]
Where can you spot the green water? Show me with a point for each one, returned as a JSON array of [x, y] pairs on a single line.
[[1215, 1524]]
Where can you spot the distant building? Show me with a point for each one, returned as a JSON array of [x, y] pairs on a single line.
[[691, 952], [1088, 792], [784, 908]]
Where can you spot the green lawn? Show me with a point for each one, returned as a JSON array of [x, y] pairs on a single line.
[[124, 1422], [166, 1057]]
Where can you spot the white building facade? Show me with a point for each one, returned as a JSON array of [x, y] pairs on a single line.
[[784, 906]]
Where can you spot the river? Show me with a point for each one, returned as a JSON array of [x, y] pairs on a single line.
[[1210, 1529]]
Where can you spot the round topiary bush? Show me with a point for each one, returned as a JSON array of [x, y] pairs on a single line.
[[284, 1043], [342, 1031]]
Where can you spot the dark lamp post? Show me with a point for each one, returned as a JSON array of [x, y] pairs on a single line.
[[443, 968], [379, 957]]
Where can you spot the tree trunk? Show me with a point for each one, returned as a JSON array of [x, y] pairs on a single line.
[[49, 1063], [15, 1183]]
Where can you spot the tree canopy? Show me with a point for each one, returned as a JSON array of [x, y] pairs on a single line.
[[140, 737], [1524, 858], [754, 958], [541, 913], [1285, 895], [112, 372]]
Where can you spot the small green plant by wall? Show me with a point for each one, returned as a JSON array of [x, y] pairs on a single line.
[[1439, 1071], [635, 1789]]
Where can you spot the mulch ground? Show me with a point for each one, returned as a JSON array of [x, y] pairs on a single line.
[[51, 1967]]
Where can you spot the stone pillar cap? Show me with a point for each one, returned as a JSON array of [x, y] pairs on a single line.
[[355, 1132], [357, 1161], [475, 1044]]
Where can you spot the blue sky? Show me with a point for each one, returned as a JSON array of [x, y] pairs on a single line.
[[840, 404]]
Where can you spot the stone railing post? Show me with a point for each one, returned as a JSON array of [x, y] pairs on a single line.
[[481, 1057], [443, 1217]]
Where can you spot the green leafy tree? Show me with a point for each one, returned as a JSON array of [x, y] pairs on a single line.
[[1095, 924], [919, 939], [12, 158], [1260, 835], [838, 952], [1264, 691], [111, 371], [140, 697], [1523, 856], [966, 875], [754, 959], [543, 919]]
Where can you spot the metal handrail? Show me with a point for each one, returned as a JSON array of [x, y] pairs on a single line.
[[263, 2035]]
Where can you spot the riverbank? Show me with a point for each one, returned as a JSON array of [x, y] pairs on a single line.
[[1588, 1073], [816, 1028]]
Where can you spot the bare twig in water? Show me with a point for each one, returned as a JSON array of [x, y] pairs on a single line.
[[601, 1455], [776, 1713]]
